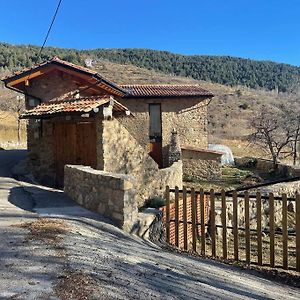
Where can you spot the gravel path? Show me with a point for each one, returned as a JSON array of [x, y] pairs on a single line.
[[125, 267]]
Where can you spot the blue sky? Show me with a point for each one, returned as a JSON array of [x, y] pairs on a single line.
[[258, 29]]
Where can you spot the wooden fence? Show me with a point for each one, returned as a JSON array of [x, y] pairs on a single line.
[[269, 235]]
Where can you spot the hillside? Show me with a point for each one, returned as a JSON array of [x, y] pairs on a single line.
[[229, 112], [225, 70]]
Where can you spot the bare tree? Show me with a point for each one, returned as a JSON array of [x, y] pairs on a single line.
[[272, 131], [293, 111]]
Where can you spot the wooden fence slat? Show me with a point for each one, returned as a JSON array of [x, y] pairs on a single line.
[[235, 225], [202, 214], [272, 230], [284, 233], [184, 219], [212, 223], [194, 220], [224, 225], [176, 216], [247, 228], [168, 214], [258, 229], [298, 232]]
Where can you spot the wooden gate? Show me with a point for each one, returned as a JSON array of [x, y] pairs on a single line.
[[75, 143]]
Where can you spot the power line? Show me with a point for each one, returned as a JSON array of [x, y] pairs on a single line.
[[49, 29], [46, 37]]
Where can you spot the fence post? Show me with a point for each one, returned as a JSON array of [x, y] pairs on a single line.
[[235, 226], [212, 223], [258, 229], [272, 230], [202, 214], [247, 227], [194, 220], [184, 217], [176, 216], [168, 214], [298, 232], [284, 233], [224, 224]]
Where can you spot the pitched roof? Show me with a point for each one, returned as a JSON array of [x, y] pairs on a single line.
[[59, 62], [70, 106], [149, 90], [136, 90]]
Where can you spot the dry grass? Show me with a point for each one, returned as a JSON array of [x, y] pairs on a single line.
[[9, 132], [46, 230], [74, 285]]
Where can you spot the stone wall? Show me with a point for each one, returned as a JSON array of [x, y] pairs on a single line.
[[111, 195], [40, 144], [201, 164], [188, 116], [266, 165], [122, 154]]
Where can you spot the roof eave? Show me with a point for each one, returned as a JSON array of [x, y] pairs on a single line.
[[119, 91], [168, 96]]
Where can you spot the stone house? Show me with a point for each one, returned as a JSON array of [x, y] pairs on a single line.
[[75, 116]]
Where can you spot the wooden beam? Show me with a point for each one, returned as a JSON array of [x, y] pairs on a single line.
[[28, 76]]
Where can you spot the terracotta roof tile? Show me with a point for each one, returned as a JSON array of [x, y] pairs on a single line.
[[69, 106], [165, 90]]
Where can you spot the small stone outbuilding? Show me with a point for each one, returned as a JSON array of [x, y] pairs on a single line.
[[77, 117]]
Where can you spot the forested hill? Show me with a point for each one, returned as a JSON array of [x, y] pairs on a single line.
[[219, 69]]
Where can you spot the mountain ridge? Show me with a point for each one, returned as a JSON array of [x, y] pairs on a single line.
[[226, 70]]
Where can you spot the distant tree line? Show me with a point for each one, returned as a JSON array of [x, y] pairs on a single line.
[[219, 69], [17, 57]]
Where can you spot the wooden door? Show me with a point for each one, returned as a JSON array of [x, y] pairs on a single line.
[[86, 144], [75, 143]]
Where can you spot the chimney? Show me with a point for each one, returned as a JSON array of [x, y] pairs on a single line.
[[174, 148]]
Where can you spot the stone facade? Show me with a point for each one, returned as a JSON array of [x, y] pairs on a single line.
[[187, 115], [122, 154], [201, 164], [40, 144], [111, 195], [52, 85]]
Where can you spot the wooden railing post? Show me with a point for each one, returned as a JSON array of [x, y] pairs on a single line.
[[247, 227], [168, 214], [224, 224], [194, 220], [176, 216], [184, 217], [272, 230], [235, 226], [258, 229], [212, 223], [284, 233], [202, 214], [298, 232]]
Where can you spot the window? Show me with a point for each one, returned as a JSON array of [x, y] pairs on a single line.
[[155, 120]]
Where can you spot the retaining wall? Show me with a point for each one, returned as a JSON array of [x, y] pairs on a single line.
[[122, 154], [111, 195]]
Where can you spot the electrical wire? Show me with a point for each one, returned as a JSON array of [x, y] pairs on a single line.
[[49, 29], [46, 37]]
